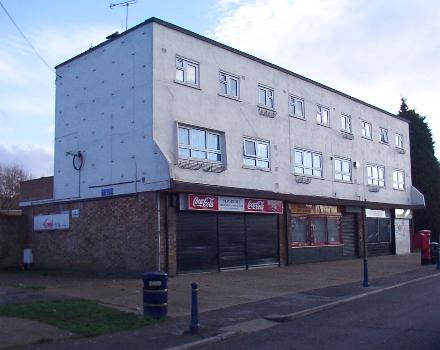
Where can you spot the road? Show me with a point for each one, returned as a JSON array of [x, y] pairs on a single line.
[[407, 317]]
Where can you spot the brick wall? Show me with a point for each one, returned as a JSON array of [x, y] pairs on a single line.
[[36, 189], [12, 240], [117, 234]]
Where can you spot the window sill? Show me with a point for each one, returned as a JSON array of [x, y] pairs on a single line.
[[347, 135], [300, 117], [400, 150], [256, 168], [399, 189], [266, 111], [324, 125], [343, 182], [197, 87], [205, 165], [384, 143], [367, 138], [230, 97]]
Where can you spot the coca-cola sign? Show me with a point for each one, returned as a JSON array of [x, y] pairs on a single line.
[[234, 204]]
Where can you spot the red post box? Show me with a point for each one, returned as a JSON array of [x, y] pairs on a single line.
[[425, 240]]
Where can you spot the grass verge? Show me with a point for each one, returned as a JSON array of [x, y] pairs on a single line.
[[82, 317]]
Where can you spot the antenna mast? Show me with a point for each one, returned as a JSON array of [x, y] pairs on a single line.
[[126, 4]]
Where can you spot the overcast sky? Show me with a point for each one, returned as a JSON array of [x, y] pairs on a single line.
[[377, 51]]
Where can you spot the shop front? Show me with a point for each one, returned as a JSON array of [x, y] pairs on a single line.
[[379, 232], [216, 233]]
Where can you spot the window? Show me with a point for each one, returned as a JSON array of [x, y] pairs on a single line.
[[187, 71], [343, 169], [308, 163], [199, 144], [256, 153], [399, 140], [383, 135], [379, 230], [376, 175], [265, 97], [316, 230], [366, 130], [296, 107], [229, 84], [399, 180], [346, 123], [323, 116]]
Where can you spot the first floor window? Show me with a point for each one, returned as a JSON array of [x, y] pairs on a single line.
[[316, 230], [323, 116], [265, 97], [308, 163], [346, 123], [187, 71], [343, 169], [296, 106], [376, 175], [199, 144], [229, 84], [379, 230], [366, 130], [399, 140], [398, 179], [256, 153], [383, 135]]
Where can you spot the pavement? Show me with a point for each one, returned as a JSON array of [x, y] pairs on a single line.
[[230, 302]]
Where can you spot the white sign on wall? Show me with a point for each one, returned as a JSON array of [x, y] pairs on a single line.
[[51, 222]]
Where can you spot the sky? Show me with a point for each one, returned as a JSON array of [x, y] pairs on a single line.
[[378, 51]]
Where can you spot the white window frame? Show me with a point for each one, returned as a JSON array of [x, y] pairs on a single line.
[[227, 83], [374, 177], [255, 157], [207, 150], [293, 110], [346, 125], [384, 136], [319, 115], [184, 69], [398, 185], [269, 97], [364, 130], [398, 138], [345, 176], [301, 169]]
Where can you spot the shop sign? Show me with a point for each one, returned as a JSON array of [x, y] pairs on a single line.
[[234, 204], [313, 209], [51, 222]]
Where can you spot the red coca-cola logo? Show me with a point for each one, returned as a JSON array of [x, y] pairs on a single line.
[[203, 202], [255, 205]]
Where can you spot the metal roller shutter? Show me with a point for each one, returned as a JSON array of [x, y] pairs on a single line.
[[231, 232], [262, 239], [196, 241], [349, 234]]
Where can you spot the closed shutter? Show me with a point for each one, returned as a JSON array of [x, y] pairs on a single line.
[[231, 232], [349, 234], [196, 241], [262, 239]]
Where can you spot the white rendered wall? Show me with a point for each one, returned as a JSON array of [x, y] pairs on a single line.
[[104, 110], [402, 233], [175, 103]]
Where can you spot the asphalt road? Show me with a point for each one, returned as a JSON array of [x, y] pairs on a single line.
[[407, 317]]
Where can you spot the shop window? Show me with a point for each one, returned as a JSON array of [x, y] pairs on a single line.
[[379, 230], [316, 230]]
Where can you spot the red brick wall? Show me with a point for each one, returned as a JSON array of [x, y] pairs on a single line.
[[12, 240], [117, 234], [41, 188]]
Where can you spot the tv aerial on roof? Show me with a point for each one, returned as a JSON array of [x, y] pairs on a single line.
[[126, 4]]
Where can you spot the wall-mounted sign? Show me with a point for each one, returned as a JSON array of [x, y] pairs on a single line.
[[235, 204], [51, 222], [107, 192], [75, 213]]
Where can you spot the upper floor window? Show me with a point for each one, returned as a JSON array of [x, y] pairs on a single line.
[[343, 169], [308, 163], [398, 179], [229, 84], [376, 175], [399, 140], [383, 135], [265, 97], [366, 130], [323, 116], [346, 123], [199, 144], [187, 71], [296, 106], [256, 153]]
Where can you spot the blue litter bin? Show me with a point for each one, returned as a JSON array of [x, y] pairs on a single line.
[[155, 294]]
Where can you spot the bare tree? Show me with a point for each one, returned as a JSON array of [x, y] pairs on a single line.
[[10, 177]]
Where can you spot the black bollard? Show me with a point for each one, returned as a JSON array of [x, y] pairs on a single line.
[[438, 260], [195, 325], [365, 283]]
